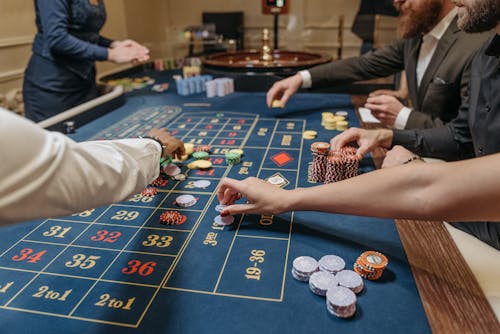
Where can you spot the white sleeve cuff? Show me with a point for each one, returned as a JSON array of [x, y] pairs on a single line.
[[306, 79], [402, 118]]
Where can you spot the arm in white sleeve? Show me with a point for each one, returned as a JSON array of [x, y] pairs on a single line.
[[306, 79], [46, 174], [402, 118]]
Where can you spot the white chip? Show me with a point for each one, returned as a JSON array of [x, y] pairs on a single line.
[[224, 221], [172, 170], [202, 184], [186, 201], [276, 180]]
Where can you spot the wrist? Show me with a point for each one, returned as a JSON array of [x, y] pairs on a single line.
[[158, 140], [385, 138]]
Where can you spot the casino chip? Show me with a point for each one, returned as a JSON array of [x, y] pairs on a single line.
[[371, 265], [172, 218], [159, 181], [341, 302], [149, 192], [321, 281], [224, 221], [202, 184], [171, 170], [203, 148], [186, 201], [189, 148], [237, 151], [304, 267], [309, 134], [331, 264], [351, 280], [201, 155], [276, 180]]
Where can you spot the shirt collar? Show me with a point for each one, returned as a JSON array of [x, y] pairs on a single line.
[[438, 31], [494, 47]]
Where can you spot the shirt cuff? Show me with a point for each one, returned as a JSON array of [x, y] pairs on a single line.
[[306, 79], [100, 52], [402, 118]]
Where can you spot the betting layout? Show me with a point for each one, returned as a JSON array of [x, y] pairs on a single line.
[[108, 264]]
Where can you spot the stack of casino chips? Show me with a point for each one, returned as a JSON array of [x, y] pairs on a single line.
[[334, 168], [341, 302], [186, 201], [320, 161], [304, 267], [321, 281], [172, 218], [149, 192], [233, 158], [351, 280], [203, 148], [371, 265], [331, 264], [351, 162], [159, 181], [201, 155]]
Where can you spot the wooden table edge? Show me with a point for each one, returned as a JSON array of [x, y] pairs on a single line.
[[451, 296]]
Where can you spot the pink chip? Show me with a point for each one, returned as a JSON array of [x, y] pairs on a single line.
[[172, 170]]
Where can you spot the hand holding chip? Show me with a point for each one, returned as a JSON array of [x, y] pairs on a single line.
[[262, 197], [282, 91], [173, 146], [367, 140]]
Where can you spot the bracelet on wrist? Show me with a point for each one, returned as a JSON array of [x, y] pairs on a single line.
[[413, 158], [156, 139]]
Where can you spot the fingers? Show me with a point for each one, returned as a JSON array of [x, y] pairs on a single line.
[[286, 96], [274, 93], [238, 209], [229, 189], [346, 137]]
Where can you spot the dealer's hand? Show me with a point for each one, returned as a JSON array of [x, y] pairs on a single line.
[[283, 90]]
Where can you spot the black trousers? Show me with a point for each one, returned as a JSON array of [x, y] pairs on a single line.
[[487, 232]]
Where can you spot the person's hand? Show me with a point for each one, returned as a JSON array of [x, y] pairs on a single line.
[[173, 146], [384, 107], [284, 89], [398, 156], [367, 140], [261, 196], [127, 51]]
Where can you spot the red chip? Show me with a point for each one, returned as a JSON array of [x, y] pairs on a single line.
[[149, 192]]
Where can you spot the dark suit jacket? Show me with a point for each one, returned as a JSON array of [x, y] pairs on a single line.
[[445, 81], [474, 132]]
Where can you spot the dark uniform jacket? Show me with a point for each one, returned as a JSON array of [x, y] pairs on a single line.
[[446, 79]]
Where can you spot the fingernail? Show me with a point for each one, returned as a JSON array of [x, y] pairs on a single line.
[[224, 214]]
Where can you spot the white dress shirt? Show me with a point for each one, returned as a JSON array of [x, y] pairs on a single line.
[[46, 174], [427, 50]]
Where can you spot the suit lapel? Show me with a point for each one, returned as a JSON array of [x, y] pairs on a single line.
[[411, 70], [444, 45]]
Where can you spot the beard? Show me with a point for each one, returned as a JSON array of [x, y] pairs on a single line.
[[479, 16], [418, 19]]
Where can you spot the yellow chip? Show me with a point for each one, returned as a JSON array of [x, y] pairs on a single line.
[[183, 158], [192, 165], [189, 148], [203, 164], [309, 134], [276, 104], [237, 150], [342, 125]]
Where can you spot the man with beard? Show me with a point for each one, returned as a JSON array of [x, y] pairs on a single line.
[[473, 133], [434, 53]]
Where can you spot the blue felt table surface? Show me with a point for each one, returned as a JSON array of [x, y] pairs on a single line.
[[197, 287]]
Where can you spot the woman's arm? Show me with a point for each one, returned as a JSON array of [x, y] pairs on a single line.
[[55, 16], [461, 191]]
